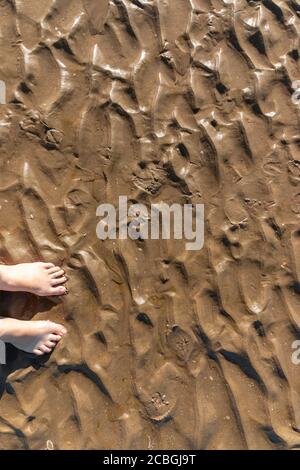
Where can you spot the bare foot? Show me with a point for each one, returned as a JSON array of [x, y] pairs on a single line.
[[43, 279], [38, 337]]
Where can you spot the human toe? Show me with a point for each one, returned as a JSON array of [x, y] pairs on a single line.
[[58, 281], [56, 338], [60, 290], [57, 274], [58, 330], [48, 265], [45, 349], [38, 352], [54, 270]]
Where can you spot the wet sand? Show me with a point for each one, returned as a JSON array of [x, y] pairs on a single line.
[[186, 101]]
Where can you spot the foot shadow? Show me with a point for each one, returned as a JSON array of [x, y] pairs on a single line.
[[22, 306]]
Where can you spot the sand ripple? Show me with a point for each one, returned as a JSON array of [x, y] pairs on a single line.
[[173, 100]]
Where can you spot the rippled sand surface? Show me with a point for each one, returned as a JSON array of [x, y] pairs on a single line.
[[159, 100]]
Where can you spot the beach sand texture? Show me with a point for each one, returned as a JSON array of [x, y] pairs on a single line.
[[186, 101]]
